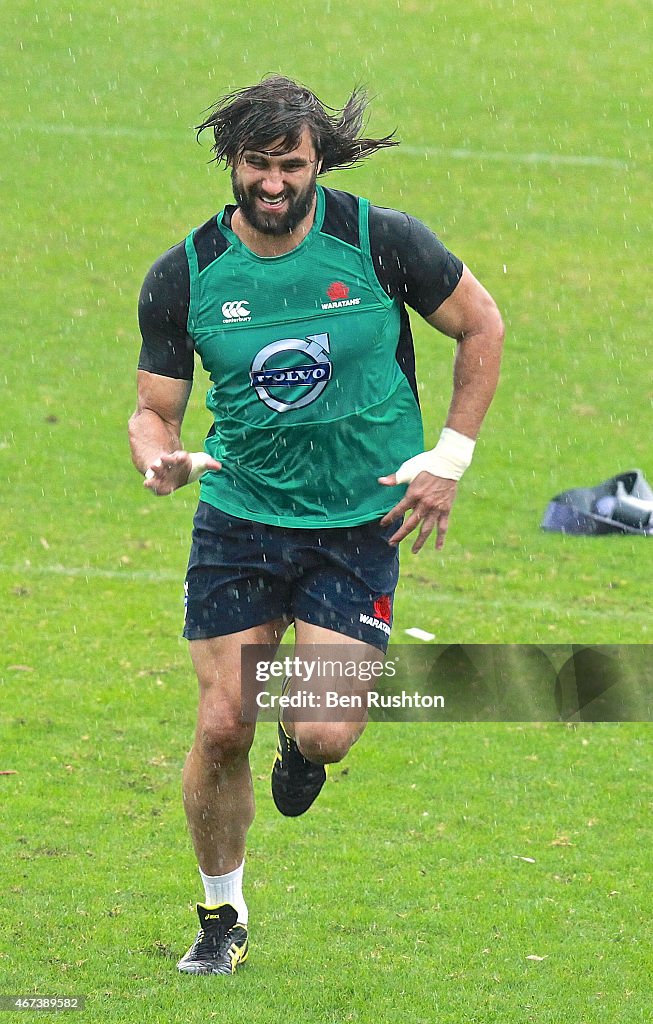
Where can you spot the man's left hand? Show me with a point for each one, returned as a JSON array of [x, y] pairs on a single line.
[[430, 498]]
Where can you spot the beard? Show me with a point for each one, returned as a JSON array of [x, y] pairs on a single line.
[[298, 207]]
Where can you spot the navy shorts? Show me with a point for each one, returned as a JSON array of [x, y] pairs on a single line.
[[243, 574]]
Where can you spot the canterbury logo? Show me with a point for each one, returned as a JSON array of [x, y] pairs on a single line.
[[238, 310]]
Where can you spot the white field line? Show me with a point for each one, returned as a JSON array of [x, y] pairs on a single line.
[[21, 572], [499, 155], [504, 156], [92, 572]]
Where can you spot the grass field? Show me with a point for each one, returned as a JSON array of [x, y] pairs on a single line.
[[527, 147]]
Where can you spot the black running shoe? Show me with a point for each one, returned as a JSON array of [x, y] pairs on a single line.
[[221, 944], [295, 781]]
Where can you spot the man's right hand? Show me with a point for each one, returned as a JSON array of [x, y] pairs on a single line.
[[172, 470]]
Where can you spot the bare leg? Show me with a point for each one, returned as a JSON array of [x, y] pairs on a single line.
[[217, 782], [328, 741]]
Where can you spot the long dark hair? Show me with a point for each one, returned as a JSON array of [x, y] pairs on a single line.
[[278, 108]]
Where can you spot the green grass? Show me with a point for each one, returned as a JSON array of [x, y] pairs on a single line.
[[403, 891], [463, 866]]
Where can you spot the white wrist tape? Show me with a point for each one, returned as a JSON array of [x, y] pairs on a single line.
[[449, 459], [198, 465]]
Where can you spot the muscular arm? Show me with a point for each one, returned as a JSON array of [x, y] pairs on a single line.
[[469, 315], [165, 378], [155, 426], [155, 433]]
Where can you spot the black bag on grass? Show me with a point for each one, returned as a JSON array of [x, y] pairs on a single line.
[[622, 504]]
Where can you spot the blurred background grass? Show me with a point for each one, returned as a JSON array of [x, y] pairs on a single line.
[[548, 202]]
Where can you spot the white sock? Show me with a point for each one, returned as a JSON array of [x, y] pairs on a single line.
[[226, 889]]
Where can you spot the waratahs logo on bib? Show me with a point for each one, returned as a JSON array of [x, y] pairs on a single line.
[[337, 290], [292, 373], [338, 293]]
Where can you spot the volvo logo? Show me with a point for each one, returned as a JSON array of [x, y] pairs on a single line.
[[238, 310], [292, 373]]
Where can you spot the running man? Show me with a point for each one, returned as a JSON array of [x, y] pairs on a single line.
[[314, 469]]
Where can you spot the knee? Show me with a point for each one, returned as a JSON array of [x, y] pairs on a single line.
[[222, 742], [326, 743]]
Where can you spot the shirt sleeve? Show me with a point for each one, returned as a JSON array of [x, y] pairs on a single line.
[[167, 348], [411, 263]]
